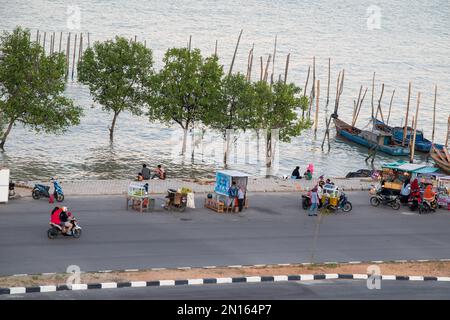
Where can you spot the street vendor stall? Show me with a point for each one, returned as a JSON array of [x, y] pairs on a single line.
[[394, 174], [139, 198], [220, 200], [443, 192]]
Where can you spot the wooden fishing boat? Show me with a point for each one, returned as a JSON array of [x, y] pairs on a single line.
[[441, 158], [379, 139], [422, 144]]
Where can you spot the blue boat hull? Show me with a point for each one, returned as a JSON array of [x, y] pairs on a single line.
[[391, 150], [422, 144]]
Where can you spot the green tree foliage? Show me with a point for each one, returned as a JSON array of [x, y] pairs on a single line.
[[185, 89], [278, 107], [118, 74], [233, 110], [31, 87]]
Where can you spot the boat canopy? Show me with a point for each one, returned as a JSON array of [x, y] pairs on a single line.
[[410, 167]]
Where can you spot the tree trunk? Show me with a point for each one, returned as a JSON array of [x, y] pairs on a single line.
[[185, 133], [111, 130], [5, 135]]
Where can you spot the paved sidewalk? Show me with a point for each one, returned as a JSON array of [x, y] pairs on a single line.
[[115, 187]]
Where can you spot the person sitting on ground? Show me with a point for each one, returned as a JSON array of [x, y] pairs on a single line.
[[140, 177], [145, 172], [308, 175], [296, 173], [159, 173]]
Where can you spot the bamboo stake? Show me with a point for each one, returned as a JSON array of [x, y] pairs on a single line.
[[273, 58], [359, 108], [407, 114], [190, 43], [262, 71], [250, 67], [313, 89], [89, 42], [390, 107], [413, 145], [266, 72], [373, 90], [53, 42], [235, 52], [329, 77], [43, 44], [356, 104], [135, 38], [286, 68], [74, 54], [379, 104], [80, 52], [434, 114], [316, 116], [67, 56], [60, 41], [215, 49], [37, 36], [448, 133]]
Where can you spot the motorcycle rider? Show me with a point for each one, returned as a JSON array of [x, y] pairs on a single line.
[[65, 218]]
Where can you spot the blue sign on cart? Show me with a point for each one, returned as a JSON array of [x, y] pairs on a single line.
[[223, 183]]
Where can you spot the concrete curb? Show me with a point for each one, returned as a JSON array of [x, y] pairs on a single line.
[[203, 281]]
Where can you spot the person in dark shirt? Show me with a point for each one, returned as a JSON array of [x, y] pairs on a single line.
[[296, 173], [145, 172]]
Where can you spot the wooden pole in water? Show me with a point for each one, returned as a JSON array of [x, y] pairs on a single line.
[[390, 107], [307, 80], [80, 51], [316, 116], [190, 43], [434, 114], [74, 54], [379, 104], [37, 36], [373, 92], [67, 55], [266, 72], [60, 41], [215, 49], [43, 43], [53, 43], [89, 42], [273, 58], [448, 133], [359, 108], [313, 89], [356, 104], [329, 77], [262, 69], [286, 68], [407, 114], [235, 52], [413, 145]]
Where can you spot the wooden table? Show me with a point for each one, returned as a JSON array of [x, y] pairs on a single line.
[[137, 202]]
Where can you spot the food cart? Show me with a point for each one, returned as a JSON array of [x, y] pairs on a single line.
[[220, 201], [139, 198], [394, 174], [443, 192]]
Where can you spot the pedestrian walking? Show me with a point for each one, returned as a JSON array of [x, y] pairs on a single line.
[[241, 198], [314, 202]]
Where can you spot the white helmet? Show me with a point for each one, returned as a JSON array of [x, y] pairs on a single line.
[[64, 209]]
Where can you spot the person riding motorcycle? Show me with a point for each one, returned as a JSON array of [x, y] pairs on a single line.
[[61, 217]]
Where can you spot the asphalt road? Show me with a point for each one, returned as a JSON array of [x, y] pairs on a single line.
[[273, 230], [316, 290]]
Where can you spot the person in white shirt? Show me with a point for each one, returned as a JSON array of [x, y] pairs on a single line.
[[241, 198]]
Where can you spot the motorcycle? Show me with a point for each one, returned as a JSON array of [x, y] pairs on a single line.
[[56, 230], [414, 201], [306, 201], [378, 198], [175, 201], [428, 206], [40, 190], [342, 204]]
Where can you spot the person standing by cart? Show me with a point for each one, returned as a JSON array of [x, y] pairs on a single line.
[[241, 198], [314, 202], [233, 194]]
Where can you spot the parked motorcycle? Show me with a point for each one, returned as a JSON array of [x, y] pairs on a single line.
[[175, 201], [342, 204], [56, 230], [377, 198], [427, 206], [40, 190], [414, 201]]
